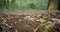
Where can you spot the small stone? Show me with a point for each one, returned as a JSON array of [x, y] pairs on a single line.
[[37, 20], [16, 30], [32, 19], [16, 17], [19, 20], [7, 25], [8, 17], [10, 26], [3, 18], [4, 21], [15, 22], [27, 17], [38, 16]]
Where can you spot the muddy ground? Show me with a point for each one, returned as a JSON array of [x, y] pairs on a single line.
[[25, 21]]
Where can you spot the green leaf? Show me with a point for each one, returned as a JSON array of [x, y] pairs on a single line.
[[41, 20]]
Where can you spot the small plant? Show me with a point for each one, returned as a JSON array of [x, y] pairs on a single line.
[[45, 26]]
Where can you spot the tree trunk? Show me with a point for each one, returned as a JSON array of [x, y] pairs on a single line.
[[51, 5], [58, 4]]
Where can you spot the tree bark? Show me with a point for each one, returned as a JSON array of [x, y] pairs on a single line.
[[51, 5]]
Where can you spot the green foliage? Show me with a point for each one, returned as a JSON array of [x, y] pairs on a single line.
[[45, 26], [32, 6], [12, 6], [56, 4], [41, 20], [1, 4], [24, 4]]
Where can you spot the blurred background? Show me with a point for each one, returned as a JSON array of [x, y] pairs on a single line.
[[25, 4]]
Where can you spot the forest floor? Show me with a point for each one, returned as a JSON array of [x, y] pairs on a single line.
[[30, 21]]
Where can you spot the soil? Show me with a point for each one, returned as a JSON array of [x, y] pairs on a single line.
[[22, 23]]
